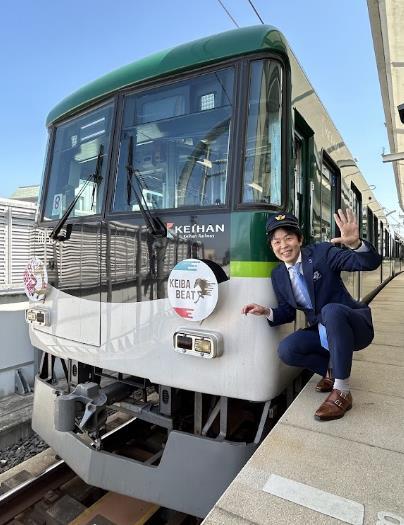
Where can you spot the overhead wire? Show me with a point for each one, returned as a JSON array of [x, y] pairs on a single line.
[[228, 13], [255, 11]]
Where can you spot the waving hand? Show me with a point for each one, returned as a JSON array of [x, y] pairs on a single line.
[[349, 229]]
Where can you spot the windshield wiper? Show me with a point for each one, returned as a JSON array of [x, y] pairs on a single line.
[[94, 177], [154, 225]]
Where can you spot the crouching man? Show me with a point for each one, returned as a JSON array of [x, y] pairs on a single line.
[[310, 280]]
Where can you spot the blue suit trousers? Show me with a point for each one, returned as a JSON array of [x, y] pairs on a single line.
[[347, 329]]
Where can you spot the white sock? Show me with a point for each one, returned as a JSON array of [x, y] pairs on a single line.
[[342, 385]]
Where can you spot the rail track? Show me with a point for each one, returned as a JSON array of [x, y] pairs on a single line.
[[57, 496], [25, 495]]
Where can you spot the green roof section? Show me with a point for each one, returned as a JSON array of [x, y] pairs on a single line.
[[200, 52]]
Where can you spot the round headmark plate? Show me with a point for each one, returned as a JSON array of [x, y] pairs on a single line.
[[35, 280], [192, 289]]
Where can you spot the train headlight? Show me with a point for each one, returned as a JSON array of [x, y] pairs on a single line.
[[200, 343], [203, 346]]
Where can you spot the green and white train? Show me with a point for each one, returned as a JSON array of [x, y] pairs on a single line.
[[150, 238]]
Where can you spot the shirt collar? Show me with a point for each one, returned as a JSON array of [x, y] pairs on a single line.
[[299, 260]]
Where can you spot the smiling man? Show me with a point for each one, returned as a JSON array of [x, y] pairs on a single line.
[[310, 280]]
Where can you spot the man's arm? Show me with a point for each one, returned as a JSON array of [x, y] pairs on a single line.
[[284, 313], [364, 259]]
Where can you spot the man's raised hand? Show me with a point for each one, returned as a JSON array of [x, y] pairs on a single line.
[[349, 229]]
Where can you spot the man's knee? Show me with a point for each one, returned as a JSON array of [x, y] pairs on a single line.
[[285, 352], [333, 311]]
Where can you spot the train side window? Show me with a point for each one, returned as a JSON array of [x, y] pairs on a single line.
[[262, 160]]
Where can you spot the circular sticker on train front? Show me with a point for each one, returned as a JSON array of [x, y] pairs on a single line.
[[35, 280], [192, 289]]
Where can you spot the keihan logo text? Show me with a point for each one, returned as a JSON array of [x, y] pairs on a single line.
[[195, 228]]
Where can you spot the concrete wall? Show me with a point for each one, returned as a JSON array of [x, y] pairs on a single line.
[[16, 350]]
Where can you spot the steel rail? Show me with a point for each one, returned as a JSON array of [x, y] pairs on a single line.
[[20, 498], [31, 491]]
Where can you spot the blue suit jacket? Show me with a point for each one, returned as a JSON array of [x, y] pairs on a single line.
[[322, 265]]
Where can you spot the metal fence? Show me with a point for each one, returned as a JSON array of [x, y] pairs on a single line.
[[16, 221]]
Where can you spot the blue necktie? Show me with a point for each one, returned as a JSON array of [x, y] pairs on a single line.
[[300, 287], [322, 332], [303, 299]]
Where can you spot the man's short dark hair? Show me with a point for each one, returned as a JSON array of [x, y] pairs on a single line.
[[289, 229]]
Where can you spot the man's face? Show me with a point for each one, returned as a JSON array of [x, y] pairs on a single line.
[[286, 245]]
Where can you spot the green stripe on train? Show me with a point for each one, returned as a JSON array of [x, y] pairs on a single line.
[[251, 268]]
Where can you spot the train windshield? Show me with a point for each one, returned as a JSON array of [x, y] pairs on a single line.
[[76, 150], [174, 144]]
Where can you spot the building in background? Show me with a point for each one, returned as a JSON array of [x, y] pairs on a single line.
[[26, 194], [16, 220]]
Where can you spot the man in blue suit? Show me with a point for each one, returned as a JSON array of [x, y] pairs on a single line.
[[310, 280]]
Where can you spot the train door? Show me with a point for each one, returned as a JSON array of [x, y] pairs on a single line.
[[303, 139], [330, 198], [298, 194], [381, 249], [356, 206]]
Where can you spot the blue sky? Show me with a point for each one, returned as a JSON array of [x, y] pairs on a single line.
[[50, 48]]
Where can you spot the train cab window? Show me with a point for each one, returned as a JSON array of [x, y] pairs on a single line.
[[262, 161], [80, 146], [174, 144]]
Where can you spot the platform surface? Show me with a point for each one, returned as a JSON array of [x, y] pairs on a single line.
[[345, 471]]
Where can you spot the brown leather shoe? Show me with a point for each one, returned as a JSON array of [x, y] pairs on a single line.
[[335, 406], [325, 384]]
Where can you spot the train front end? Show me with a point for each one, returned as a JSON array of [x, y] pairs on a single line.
[[150, 239]]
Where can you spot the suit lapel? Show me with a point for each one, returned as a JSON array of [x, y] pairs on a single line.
[[288, 286], [307, 265]]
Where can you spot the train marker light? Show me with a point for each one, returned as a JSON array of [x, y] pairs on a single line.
[[200, 343], [39, 316]]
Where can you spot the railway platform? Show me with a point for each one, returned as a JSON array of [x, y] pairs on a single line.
[[345, 471], [15, 419]]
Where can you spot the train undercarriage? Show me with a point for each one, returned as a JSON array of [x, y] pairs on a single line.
[[174, 447]]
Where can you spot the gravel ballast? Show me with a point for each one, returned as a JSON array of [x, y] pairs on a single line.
[[21, 451]]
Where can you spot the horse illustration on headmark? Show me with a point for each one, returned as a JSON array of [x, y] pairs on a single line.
[[203, 287]]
